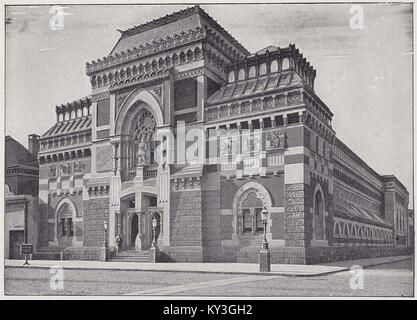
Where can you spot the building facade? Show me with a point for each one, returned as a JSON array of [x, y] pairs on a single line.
[[185, 126], [21, 166], [20, 197]]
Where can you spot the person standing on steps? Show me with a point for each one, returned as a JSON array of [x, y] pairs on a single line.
[[119, 242]]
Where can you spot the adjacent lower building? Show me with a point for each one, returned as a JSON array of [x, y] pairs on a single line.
[[20, 197], [187, 128]]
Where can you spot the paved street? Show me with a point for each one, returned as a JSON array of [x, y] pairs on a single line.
[[394, 279]]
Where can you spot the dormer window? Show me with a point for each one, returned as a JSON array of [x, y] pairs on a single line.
[[231, 77], [241, 75], [285, 63], [262, 69], [252, 72], [274, 66]]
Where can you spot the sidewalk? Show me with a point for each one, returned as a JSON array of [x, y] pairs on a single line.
[[225, 268]]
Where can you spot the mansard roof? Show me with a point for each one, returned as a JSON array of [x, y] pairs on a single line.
[[256, 86], [187, 17], [67, 127], [174, 30]]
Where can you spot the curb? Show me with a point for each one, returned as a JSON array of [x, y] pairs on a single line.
[[284, 274]]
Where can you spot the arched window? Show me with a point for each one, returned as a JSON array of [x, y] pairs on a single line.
[[60, 117], [346, 230], [285, 63], [145, 144], [231, 77], [79, 113], [241, 75], [252, 208], [337, 231], [248, 205], [318, 219], [65, 216], [274, 66], [262, 69], [252, 72]]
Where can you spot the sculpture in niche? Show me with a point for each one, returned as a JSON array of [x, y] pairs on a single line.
[[143, 137], [142, 152]]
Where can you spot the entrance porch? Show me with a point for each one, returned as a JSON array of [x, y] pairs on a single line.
[[134, 225]]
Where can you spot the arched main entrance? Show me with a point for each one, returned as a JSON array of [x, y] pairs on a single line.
[[134, 222]]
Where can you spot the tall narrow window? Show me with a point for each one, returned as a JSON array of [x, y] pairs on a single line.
[[247, 221], [318, 216], [63, 228], [231, 77], [65, 214], [69, 230], [285, 63], [274, 66], [259, 223], [252, 72]]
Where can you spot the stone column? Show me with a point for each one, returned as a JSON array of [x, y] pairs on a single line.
[[253, 216], [139, 238], [119, 158], [119, 222], [239, 159], [114, 157]]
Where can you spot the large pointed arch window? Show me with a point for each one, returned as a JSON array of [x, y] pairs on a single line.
[[65, 216]]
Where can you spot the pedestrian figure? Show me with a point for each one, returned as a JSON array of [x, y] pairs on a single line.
[[119, 242]]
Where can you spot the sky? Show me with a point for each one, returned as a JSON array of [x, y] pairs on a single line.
[[364, 75]]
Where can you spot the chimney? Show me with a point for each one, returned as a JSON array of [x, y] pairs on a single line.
[[33, 144]]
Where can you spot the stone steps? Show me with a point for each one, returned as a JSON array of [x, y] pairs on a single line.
[[131, 256]]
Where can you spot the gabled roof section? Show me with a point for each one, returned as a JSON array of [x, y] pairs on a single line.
[[255, 86], [17, 155], [68, 127], [172, 23]]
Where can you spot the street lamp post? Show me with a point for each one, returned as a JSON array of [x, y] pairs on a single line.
[[264, 254], [153, 251], [104, 253]]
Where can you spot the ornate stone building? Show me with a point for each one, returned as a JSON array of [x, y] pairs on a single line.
[[186, 126]]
